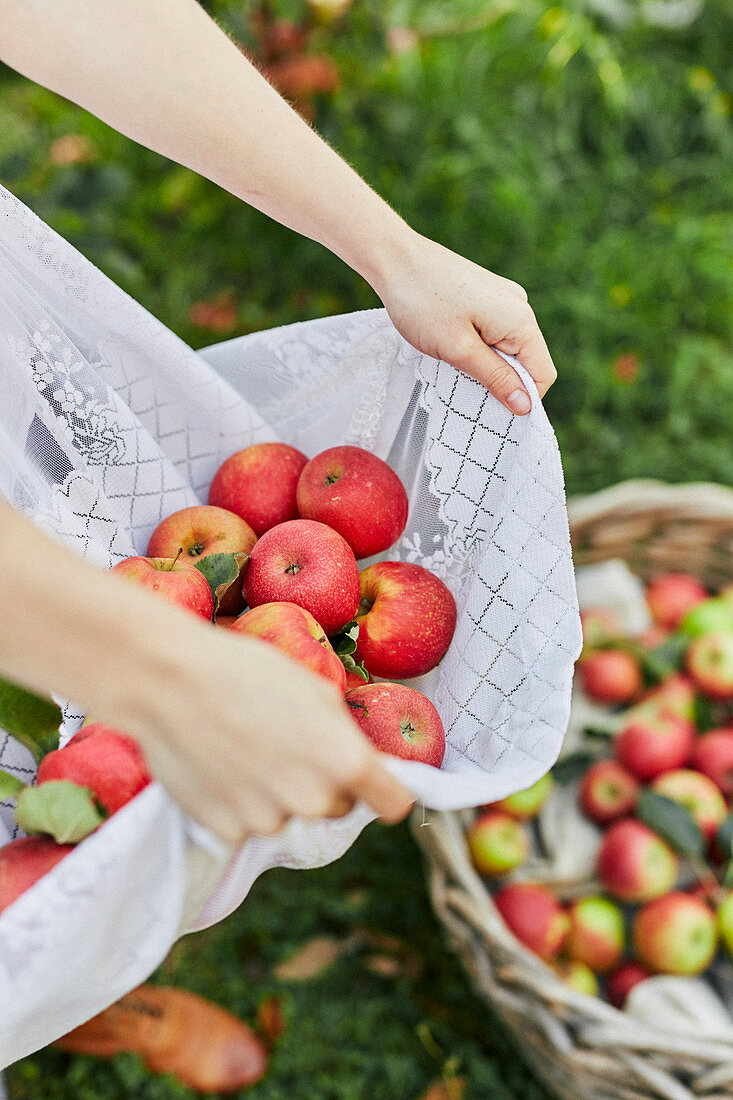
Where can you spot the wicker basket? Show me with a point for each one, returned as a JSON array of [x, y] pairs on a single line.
[[581, 1047]]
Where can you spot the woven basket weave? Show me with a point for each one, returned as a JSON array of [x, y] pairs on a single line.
[[581, 1047]]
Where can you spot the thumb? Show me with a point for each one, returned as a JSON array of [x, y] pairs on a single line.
[[474, 357]]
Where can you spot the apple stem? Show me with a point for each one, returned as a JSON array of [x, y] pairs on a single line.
[[170, 567]]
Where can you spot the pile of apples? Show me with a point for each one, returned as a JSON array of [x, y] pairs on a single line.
[[657, 780], [273, 556]]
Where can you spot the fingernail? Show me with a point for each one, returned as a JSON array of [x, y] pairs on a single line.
[[519, 402]]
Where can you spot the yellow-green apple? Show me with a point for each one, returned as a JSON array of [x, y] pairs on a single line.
[[107, 761], [535, 916], [399, 721], [24, 861], [259, 484], [295, 631], [611, 676], [497, 842], [178, 581], [200, 531], [655, 744], [354, 680], [525, 804], [577, 975], [710, 663], [715, 614], [597, 933], [675, 934], [713, 756], [600, 626], [406, 620], [698, 794], [634, 863], [622, 981], [307, 563], [671, 596], [607, 792], [357, 494], [724, 919]]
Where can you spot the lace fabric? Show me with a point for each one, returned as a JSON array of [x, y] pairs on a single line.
[[109, 423]]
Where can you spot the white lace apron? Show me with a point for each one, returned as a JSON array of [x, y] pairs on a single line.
[[108, 423]]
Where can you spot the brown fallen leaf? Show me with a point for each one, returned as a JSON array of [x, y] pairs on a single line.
[[311, 959], [270, 1020]]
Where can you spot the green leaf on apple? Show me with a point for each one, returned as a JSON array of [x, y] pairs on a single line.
[[724, 837], [351, 666], [728, 876], [30, 719], [10, 786], [221, 571], [572, 766], [345, 641], [703, 716], [672, 821], [58, 808]]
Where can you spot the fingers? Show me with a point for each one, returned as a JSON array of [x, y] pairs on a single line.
[[473, 356], [385, 794], [530, 349]]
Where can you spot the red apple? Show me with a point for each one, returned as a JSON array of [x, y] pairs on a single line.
[[307, 563], [357, 494], [697, 794], [577, 975], [710, 663], [110, 763], [611, 676], [634, 864], [671, 595], [178, 581], [497, 842], [259, 484], [674, 695], [535, 916], [294, 630], [400, 721], [607, 792], [527, 803], [596, 933], [713, 756], [653, 636], [622, 981], [406, 620], [200, 531], [650, 746], [675, 934], [24, 861]]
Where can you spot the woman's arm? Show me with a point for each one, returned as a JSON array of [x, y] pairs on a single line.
[[242, 736], [163, 73]]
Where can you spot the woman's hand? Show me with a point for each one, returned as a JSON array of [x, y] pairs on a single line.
[[452, 309], [245, 738]]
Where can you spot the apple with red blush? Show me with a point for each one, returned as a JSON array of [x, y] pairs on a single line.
[[710, 663], [607, 792], [354, 681], [527, 803], [177, 580], [259, 484], [675, 934], [600, 626], [197, 533], [634, 863], [671, 596], [307, 563], [535, 916], [699, 796], [400, 721], [577, 975], [620, 983], [649, 746], [24, 861], [110, 763], [611, 676], [713, 756], [497, 842], [356, 493], [293, 630], [406, 619], [597, 933]]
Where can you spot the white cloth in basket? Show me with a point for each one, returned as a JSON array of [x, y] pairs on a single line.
[[108, 423]]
